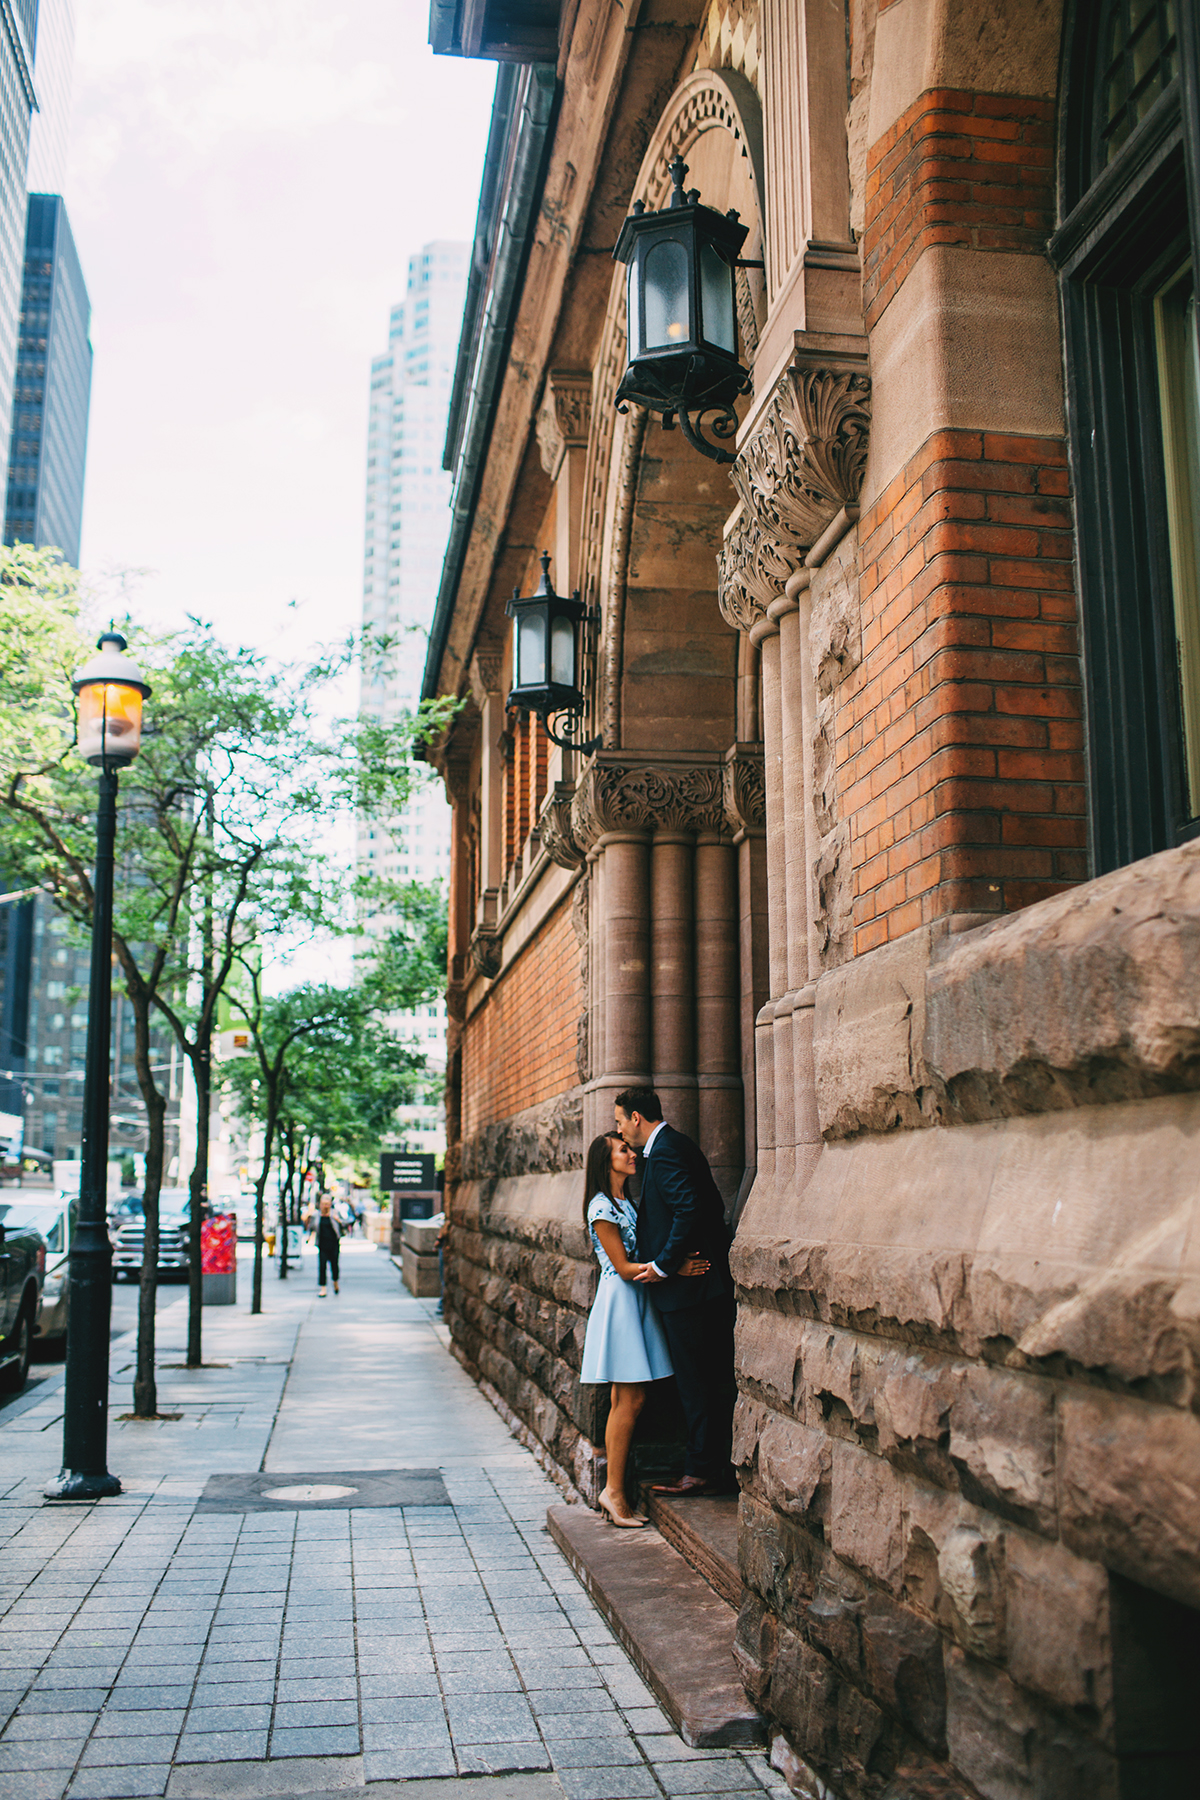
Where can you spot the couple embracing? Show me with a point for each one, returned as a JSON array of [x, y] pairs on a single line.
[[665, 1301]]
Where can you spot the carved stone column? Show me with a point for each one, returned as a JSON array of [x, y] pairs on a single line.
[[797, 476], [745, 815], [672, 977], [720, 1121], [637, 820], [485, 690], [627, 1017], [456, 771], [563, 424]]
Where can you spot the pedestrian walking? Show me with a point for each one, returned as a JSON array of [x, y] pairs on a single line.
[[329, 1243]]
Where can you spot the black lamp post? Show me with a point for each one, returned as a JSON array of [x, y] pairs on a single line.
[[546, 659], [682, 313], [111, 690]]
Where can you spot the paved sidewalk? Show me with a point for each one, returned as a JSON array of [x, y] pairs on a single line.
[[150, 1645]]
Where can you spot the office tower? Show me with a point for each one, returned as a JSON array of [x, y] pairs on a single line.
[[44, 503], [407, 523], [16, 954], [50, 131], [18, 35]]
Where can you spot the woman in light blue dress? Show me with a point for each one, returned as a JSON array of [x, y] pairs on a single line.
[[625, 1344]]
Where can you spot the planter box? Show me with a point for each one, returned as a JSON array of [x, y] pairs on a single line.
[[219, 1289], [420, 1274]]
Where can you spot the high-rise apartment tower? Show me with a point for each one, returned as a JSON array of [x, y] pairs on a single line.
[[18, 38], [48, 449], [407, 522]]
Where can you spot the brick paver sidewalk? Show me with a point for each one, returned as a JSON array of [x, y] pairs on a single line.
[[149, 1646]]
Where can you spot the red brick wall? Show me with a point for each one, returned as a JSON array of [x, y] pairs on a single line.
[[519, 1046], [959, 736], [956, 168]]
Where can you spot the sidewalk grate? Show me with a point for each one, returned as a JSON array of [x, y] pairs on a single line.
[[328, 1491]]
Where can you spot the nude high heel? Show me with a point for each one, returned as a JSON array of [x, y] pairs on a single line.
[[634, 1522]]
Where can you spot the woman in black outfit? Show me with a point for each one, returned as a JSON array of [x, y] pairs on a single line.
[[329, 1237]]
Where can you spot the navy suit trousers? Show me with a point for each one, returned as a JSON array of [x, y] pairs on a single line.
[[700, 1339]]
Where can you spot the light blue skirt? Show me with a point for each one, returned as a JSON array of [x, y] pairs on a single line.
[[624, 1339]]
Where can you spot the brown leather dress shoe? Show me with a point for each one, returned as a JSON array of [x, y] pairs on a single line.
[[681, 1489]]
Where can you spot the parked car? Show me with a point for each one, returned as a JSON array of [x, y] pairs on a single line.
[[54, 1216], [127, 1228], [22, 1265]]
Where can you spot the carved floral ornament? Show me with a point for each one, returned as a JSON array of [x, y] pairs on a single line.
[[745, 790], [793, 475], [565, 417]]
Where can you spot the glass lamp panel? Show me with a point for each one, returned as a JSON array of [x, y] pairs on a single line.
[[110, 721], [531, 650], [1178, 346], [633, 310], [562, 652], [666, 289], [717, 317]]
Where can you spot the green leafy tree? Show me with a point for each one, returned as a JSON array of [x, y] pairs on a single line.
[[238, 775], [327, 1070]]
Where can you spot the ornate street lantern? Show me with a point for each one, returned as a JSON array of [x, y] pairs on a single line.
[[682, 313], [546, 658], [111, 689]]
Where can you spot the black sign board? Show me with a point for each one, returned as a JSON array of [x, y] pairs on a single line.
[[400, 1173]]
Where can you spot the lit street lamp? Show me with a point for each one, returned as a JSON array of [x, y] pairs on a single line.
[[546, 659], [111, 689], [681, 312]]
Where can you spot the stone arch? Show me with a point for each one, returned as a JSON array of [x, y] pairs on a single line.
[[714, 121]]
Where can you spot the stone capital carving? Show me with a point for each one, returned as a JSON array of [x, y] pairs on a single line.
[[487, 951], [626, 796], [565, 416], [554, 823], [745, 789], [751, 572], [484, 675], [803, 463]]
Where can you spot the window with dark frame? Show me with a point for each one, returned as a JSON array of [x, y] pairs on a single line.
[[1127, 248]]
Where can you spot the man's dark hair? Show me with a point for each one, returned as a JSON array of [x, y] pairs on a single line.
[[642, 1100]]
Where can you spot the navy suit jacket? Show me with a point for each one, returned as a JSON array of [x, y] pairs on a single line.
[[681, 1211]]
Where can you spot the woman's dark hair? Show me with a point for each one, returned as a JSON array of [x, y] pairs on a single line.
[[597, 1172]]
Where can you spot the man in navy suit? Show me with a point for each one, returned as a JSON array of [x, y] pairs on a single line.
[[682, 1211]]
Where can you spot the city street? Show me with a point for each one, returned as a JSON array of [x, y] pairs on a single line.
[[408, 1627]]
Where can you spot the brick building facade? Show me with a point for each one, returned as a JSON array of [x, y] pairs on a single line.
[[886, 870]]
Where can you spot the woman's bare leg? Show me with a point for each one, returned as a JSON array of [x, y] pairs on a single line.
[[628, 1398]]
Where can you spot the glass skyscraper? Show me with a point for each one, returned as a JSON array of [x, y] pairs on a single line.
[[407, 523], [48, 448], [18, 37], [50, 130]]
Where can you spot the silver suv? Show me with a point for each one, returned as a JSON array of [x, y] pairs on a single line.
[[22, 1267], [128, 1232]]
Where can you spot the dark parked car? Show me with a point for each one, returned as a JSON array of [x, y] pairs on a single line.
[[22, 1265], [54, 1216], [127, 1228]]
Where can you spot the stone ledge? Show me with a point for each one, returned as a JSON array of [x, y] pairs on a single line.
[[1087, 999], [677, 1631]]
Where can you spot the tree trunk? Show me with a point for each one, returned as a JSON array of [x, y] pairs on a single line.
[[260, 1190], [201, 1062], [202, 1071], [145, 1386], [285, 1197]]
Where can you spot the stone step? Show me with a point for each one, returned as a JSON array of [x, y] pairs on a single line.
[[677, 1630], [705, 1533]]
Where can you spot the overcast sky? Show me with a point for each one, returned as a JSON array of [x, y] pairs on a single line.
[[247, 180]]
